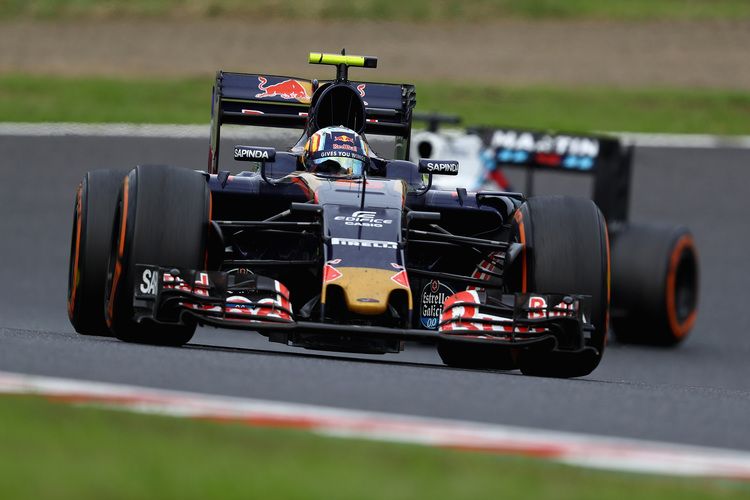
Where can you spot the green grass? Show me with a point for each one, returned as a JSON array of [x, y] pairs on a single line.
[[420, 10], [42, 99], [581, 109], [54, 451]]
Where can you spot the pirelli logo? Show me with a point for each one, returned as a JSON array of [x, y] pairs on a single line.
[[364, 243]]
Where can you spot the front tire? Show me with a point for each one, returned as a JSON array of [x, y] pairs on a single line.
[[566, 250], [479, 357], [93, 216], [162, 219]]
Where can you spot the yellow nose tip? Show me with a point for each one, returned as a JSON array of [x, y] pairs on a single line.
[[366, 291]]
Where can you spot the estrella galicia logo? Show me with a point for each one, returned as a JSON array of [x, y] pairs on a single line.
[[434, 294]]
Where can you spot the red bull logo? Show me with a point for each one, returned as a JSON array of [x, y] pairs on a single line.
[[288, 90], [343, 138]]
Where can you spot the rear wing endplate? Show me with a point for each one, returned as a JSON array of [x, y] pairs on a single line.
[[606, 158]]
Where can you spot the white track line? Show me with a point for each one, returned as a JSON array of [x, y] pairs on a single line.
[[576, 449], [684, 140], [145, 131], [259, 133]]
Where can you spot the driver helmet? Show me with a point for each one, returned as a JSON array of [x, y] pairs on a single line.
[[336, 151]]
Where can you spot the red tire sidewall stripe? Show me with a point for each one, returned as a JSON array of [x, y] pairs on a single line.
[[524, 262], [120, 251], [679, 330], [609, 278], [76, 260]]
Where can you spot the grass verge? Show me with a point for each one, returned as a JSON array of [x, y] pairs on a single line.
[[95, 100], [415, 10], [56, 451]]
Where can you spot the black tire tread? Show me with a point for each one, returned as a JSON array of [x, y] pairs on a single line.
[[640, 264], [98, 191], [166, 225], [567, 249]]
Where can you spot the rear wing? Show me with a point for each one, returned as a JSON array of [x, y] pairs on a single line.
[[606, 158], [280, 101]]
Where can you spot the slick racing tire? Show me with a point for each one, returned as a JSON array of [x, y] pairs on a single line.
[[473, 356], [654, 284], [93, 215], [566, 250], [162, 219]]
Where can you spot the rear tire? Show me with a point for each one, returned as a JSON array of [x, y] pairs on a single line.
[[93, 217], [566, 251], [654, 284], [162, 219]]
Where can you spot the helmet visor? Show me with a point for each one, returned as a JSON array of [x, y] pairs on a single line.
[[338, 166]]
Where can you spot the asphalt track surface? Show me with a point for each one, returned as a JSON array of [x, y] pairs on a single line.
[[698, 393]]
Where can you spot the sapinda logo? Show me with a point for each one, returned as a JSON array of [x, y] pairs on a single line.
[[241, 153], [149, 281], [442, 167], [363, 218]]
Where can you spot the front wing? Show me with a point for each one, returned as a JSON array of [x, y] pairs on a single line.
[[246, 301]]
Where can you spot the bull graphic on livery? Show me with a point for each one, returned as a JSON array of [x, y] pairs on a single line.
[[289, 89]]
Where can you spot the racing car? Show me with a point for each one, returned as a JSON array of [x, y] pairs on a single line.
[[655, 266], [331, 246]]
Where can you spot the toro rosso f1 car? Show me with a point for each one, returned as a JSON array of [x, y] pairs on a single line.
[[330, 246], [654, 265]]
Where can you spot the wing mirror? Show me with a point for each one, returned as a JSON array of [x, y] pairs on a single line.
[[436, 167], [256, 154]]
